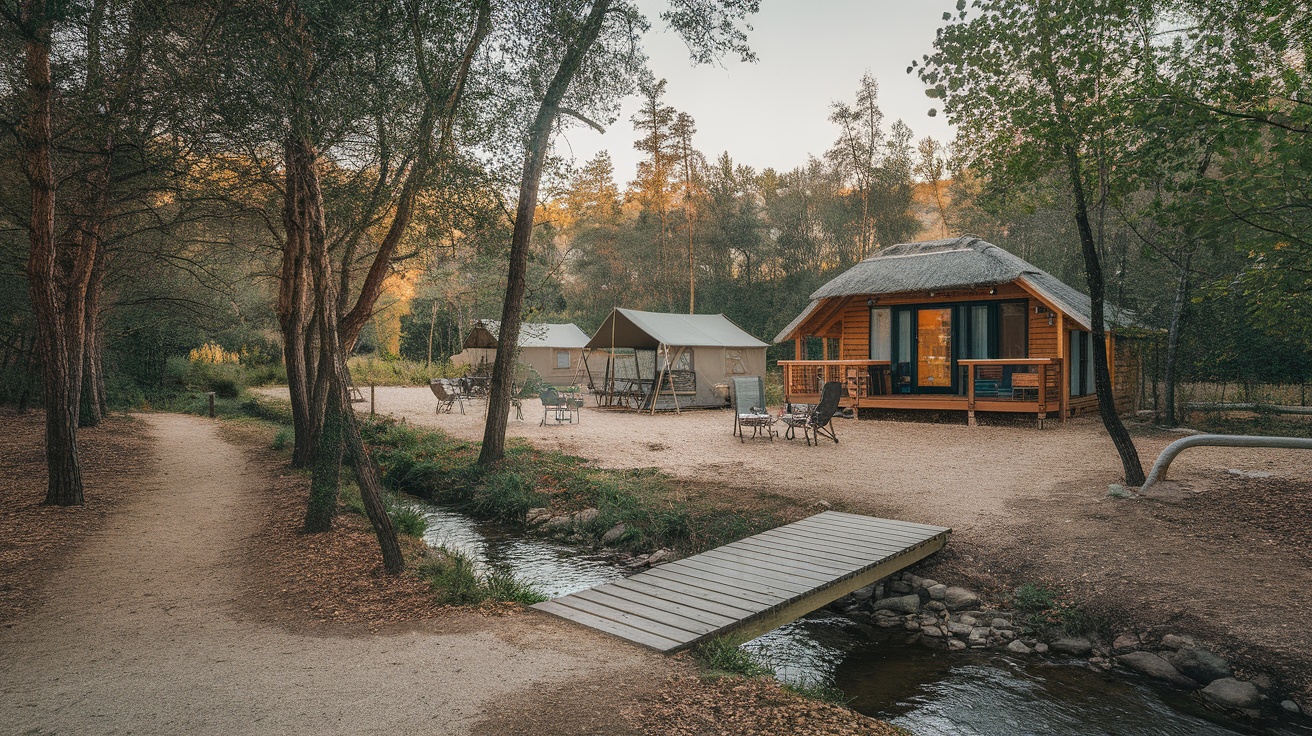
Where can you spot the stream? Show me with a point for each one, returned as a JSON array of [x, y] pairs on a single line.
[[923, 690]]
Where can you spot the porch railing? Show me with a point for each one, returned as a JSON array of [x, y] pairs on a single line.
[[1030, 380], [808, 377]]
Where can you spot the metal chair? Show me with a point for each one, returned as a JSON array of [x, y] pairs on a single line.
[[447, 395]]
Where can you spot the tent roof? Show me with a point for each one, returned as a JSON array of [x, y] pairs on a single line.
[[635, 329], [531, 335], [963, 262]]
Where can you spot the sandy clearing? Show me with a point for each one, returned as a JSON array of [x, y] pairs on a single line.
[[973, 479], [140, 632]]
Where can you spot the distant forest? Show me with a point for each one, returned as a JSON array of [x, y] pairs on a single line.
[[171, 122]]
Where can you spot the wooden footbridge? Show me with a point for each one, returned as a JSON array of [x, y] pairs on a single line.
[[753, 585]]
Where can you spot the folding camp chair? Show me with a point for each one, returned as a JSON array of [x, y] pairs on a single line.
[[447, 395], [819, 423], [749, 408]]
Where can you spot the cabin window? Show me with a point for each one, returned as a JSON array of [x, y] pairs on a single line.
[[562, 359], [978, 323], [1013, 330], [1081, 359], [881, 333]]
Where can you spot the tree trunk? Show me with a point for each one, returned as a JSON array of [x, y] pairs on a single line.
[[56, 281], [503, 371], [1101, 375], [294, 308], [339, 416], [1173, 341]]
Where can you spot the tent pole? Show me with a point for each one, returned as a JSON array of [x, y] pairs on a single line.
[[673, 392], [656, 384]]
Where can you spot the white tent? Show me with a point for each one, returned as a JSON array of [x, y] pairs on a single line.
[[673, 361], [555, 351]]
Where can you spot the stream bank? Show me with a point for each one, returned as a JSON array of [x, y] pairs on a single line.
[[909, 672]]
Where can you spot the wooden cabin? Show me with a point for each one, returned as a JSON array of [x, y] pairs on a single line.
[[955, 324]]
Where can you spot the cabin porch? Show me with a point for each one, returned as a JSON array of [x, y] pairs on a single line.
[[1012, 385]]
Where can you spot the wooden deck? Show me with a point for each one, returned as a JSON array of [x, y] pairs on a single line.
[[753, 585]]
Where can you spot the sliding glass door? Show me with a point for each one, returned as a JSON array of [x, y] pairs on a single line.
[[934, 350]]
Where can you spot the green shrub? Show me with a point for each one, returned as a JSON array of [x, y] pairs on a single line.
[[1031, 598], [724, 655], [283, 437], [407, 519], [504, 496], [454, 580]]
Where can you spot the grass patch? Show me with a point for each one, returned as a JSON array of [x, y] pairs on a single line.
[[656, 510], [724, 655], [454, 581], [407, 519], [283, 438], [1046, 611], [818, 690]]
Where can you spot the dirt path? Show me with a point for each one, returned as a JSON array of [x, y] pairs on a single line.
[[141, 632]]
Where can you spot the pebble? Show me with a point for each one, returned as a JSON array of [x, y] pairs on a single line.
[[956, 644], [1000, 623], [1040, 648], [1174, 641], [1290, 707], [1018, 647]]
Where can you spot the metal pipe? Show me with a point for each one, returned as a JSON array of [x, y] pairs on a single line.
[[1218, 440]]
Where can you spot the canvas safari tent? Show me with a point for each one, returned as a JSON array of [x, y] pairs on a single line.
[[663, 361], [555, 351]]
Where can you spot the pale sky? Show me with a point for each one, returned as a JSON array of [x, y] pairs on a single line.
[[774, 113]]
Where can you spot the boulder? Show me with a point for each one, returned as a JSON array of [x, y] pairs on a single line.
[[1004, 634], [660, 555], [1147, 663], [864, 594], [557, 523], [1290, 707], [933, 631], [1199, 665], [956, 644], [937, 591], [1000, 623], [586, 516], [537, 516], [899, 604], [1018, 647], [613, 534], [1072, 646], [1228, 692], [1040, 648], [911, 625], [926, 583], [960, 599], [959, 629], [1173, 641], [1125, 643], [901, 586]]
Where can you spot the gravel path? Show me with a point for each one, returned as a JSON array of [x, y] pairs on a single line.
[[140, 632]]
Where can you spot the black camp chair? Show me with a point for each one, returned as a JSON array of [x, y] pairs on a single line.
[[819, 422], [447, 395], [749, 408]]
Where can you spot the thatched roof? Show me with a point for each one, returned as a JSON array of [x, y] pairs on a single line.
[[531, 335], [630, 328], [952, 263]]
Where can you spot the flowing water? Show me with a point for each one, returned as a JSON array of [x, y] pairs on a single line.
[[923, 690]]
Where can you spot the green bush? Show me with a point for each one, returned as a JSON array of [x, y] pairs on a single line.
[[283, 437], [453, 579], [407, 519], [504, 495], [1030, 598]]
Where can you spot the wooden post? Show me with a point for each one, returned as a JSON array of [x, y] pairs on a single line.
[[371, 401], [1043, 394], [970, 394], [211, 399]]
